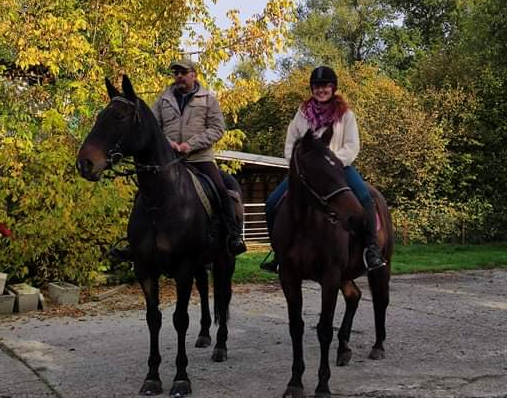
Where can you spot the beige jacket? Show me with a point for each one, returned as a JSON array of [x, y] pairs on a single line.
[[344, 143], [200, 125]]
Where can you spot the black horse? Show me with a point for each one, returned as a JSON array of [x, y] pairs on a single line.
[[317, 236], [168, 231]]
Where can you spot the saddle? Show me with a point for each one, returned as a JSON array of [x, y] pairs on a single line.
[[207, 192]]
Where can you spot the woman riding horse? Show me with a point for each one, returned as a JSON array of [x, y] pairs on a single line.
[[326, 109]]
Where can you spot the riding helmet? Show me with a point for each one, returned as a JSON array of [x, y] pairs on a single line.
[[323, 75]]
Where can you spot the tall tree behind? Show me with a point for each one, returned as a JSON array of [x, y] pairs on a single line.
[[347, 31]]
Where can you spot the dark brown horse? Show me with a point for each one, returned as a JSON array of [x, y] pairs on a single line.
[[317, 236], [168, 231]]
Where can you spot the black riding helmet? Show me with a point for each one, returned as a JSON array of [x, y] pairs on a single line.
[[323, 75]]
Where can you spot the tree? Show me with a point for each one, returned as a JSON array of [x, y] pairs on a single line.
[[328, 31], [53, 59]]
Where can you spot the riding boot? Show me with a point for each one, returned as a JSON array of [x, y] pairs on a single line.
[[371, 256], [235, 241]]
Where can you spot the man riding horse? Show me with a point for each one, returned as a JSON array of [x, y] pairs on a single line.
[[191, 119]]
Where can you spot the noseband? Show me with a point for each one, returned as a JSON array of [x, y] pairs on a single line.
[[323, 200], [115, 155]]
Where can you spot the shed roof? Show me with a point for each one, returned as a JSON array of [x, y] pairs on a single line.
[[253, 158]]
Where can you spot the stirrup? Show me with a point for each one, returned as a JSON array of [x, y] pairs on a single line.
[[236, 245], [368, 267]]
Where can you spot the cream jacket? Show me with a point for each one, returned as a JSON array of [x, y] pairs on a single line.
[[344, 143]]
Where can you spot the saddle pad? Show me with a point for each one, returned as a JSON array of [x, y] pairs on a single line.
[[202, 195]]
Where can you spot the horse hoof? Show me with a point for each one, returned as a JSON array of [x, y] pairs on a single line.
[[322, 395], [377, 353], [294, 392], [203, 342], [151, 387], [219, 355], [343, 358], [180, 388]]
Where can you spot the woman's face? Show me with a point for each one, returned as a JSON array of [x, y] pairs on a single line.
[[323, 92]]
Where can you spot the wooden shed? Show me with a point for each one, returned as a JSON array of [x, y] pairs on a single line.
[[258, 177]]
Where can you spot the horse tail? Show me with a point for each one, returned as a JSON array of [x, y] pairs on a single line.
[[223, 269]]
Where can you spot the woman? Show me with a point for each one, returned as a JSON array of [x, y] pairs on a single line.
[[323, 109]]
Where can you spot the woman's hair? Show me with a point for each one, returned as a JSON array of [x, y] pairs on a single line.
[[341, 105]]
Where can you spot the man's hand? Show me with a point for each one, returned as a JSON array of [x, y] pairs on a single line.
[[185, 147], [175, 146]]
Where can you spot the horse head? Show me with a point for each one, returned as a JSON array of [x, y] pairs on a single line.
[[115, 133]]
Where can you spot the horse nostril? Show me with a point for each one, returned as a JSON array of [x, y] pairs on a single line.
[[84, 166]]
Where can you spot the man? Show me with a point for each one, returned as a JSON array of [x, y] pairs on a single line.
[[191, 119]]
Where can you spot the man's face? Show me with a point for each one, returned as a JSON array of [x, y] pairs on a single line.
[[184, 79]]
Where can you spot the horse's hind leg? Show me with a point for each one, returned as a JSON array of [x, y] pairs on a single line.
[[325, 333], [223, 269], [294, 297], [379, 286], [152, 384], [184, 281], [201, 281], [352, 295]]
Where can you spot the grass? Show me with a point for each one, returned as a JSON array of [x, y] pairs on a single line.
[[406, 259]]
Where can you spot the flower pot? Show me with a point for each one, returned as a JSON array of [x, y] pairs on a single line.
[[27, 297], [7, 302], [3, 279], [63, 293]]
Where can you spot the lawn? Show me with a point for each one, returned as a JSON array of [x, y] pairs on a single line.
[[406, 259]]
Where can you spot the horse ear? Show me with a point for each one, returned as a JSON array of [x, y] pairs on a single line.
[[111, 90], [308, 135], [327, 135], [128, 90]]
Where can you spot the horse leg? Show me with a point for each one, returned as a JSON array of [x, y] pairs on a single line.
[[352, 295], [201, 281], [222, 283], [379, 286], [294, 297], [330, 288], [184, 280], [152, 384]]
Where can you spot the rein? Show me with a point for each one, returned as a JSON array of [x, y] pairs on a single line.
[[323, 200], [115, 155]]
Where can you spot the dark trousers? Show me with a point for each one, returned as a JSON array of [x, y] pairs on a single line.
[[228, 211]]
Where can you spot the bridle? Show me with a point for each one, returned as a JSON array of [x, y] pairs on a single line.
[[115, 155], [322, 200]]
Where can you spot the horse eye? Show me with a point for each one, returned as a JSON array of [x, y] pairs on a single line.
[[118, 115]]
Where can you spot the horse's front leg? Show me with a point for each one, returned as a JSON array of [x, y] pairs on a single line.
[[379, 287], [330, 287], [149, 283], [184, 281], [352, 295], [201, 281], [292, 290]]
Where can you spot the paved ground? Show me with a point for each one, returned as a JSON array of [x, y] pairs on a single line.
[[447, 337]]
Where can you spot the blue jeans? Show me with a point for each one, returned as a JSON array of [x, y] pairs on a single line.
[[354, 181]]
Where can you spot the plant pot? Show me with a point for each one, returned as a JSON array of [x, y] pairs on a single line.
[[7, 302], [63, 293], [27, 297], [3, 279]]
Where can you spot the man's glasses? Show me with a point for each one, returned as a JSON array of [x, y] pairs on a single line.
[[182, 72]]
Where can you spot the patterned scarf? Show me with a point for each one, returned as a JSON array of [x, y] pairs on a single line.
[[320, 114]]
